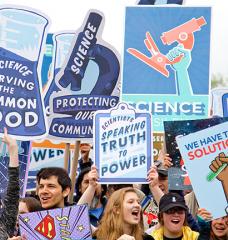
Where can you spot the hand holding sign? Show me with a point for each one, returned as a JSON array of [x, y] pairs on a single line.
[[152, 177], [93, 177], [12, 148], [167, 161], [204, 214]]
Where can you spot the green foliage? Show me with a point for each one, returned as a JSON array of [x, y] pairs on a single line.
[[218, 80]]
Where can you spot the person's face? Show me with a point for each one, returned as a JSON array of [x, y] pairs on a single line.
[[85, 183], [22, 208], [163, 184], [131, 209], [110, 191], [173, 221], [220, 227], [51, 194]]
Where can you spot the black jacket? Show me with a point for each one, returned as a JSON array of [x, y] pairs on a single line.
[[10, 205]]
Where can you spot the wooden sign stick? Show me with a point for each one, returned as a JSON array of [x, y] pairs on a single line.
[[74, 168], [67, 156]]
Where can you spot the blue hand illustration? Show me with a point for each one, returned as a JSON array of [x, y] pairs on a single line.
[[184, 63], [184, 87]]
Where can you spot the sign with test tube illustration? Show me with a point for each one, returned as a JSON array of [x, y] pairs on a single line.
[[167, 51], [123, 145], [61, 223], [206, 157], [62, 42], [22, 34], [85, 80]]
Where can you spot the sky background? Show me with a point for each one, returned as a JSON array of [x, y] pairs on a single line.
[[70, 16]]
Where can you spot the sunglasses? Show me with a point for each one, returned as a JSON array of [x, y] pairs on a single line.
[[177, 210]]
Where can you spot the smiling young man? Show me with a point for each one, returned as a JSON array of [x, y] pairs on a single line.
[[173, 220], [53, 187]]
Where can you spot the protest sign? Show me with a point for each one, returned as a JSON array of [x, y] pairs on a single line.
[[85, 80], [23, 32], [61, 46], [47, 60], [44, 154], [177, 174], [122, 144], [158, 141], [219, 99], [61, 223], [24, 159], [205, 156], [166, 62]]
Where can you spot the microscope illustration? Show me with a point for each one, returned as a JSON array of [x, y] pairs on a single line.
[[182, 34]]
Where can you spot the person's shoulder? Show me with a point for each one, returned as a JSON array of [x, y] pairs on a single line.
[[147, 237]]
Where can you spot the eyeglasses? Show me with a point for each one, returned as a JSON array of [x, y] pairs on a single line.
[[177, 210]]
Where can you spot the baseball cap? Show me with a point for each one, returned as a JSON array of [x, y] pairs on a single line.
[[171, 200], [163, 172]]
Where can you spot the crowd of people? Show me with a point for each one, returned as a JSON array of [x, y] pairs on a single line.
[[117, 212]]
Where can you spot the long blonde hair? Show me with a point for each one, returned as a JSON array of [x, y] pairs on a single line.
[[111, 226]]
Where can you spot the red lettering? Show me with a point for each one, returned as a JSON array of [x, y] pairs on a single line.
[[191, 155]]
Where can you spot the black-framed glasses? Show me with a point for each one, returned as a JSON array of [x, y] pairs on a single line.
[[173, 210]]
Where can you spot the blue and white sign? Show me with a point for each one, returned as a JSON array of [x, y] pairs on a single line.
[[123, 144], [22, 34], [205, 155], [86, 81], [166, 62], [61, 44], [219, 99], [24, 149]]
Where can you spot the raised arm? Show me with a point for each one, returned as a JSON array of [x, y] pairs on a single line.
[[88, 195], [204, 217], [11, 200], [154, 185], [12, 149]]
